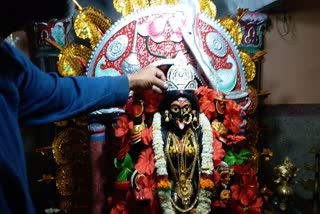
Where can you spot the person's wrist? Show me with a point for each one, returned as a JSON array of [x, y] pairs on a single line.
[[132, 81]]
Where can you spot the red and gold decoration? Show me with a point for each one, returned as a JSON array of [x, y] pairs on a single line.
[[209, 162]]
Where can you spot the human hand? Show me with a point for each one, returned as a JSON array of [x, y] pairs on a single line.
[[149, 77]]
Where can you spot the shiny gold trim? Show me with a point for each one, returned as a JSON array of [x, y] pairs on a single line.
[[249, 66], [233, 28], [73, 59], [68, 145]]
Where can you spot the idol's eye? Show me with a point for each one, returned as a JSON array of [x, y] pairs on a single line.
[[175, 108], [186, 109]]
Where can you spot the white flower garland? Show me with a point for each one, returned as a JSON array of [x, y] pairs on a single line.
[[204, 200]]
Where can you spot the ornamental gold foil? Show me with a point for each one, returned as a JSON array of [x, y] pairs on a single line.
[[255, 158], [61, 123], [64, 180], [91, 24], [123, 6], [219, 127], [249, 66], [253, 94], [160, 2], [233, 28], [72, 60], [126, 7], [66, 205], [207, 6], [252, 131], [68, 144]]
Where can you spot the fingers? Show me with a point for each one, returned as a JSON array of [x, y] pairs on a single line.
[[156, 89], [149, 77], [160, 74], [160, 81]]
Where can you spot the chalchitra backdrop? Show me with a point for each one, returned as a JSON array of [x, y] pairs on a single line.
[[192, 150]]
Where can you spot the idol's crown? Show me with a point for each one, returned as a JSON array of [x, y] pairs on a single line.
[[180, 75]]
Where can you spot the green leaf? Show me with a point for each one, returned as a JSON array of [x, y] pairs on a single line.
[[126, 167], [127, 162], [124, 175], [230, 158], [245, 154]]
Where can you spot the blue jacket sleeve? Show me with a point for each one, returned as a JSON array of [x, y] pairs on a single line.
[[47, 97]]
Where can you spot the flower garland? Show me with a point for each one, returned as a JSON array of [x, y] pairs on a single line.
[[206, 184]]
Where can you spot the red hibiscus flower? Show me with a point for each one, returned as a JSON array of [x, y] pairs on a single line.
[[254, 208], [246, 193], [119, 208], [146, 136], [145, 163], [218, 152], [152, 100], [243, 170], [233, 119], [206, 101], [234, 139], [123, 151], [146, 187], [122, 127]]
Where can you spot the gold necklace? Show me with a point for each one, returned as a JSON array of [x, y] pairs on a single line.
[[178, 152], [203, 198]]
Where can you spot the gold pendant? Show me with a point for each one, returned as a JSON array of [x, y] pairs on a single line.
[[184, 190]]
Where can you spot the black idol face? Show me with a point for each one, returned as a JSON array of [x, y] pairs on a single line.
[[180, 110]]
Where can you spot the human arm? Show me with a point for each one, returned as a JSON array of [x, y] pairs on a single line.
[[47, 97]]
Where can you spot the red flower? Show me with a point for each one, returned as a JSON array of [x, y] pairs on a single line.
[[119, 208], [135, 108], [233, 119], [254, 208], [152, 100], [246, 194], [234, 139], [123, 151], [243, 170], [146, 187], [206, 101], [216, 177], [146, 136], [145, 163], [122, 127], [218, 152]]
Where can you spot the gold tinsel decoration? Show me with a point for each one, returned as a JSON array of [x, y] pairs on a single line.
[[255, 158], [64, 180], [61, 123], [68, 145], [91, 23], [253, 94], [73, 59], [232, 26], [126, 7], [66, 205], [252, 131], [240, 13], [258, 55], [249, 66], [160, 2], [207, 6]]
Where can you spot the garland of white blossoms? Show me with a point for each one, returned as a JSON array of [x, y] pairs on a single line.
[[204, 197]]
